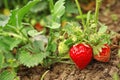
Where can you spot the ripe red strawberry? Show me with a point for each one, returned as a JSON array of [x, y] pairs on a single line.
[[104, 55], [81, 54], [38, 27]]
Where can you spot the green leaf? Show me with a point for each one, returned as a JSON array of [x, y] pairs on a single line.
[[1, 59], [69, 42], [54, 25], [39, 45], [57, 13], [3, 46], [18, 14], [31, 60], [53, 46], [7, 75], [70, 7], [15, 43], [26, 9], [59, 9], [9, 43], [39, 7], [3, 20], [102, 29], [33, 33], [75, 32], [10, 60]]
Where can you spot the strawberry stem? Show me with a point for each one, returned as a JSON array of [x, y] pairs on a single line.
[[51, 5], [98, 3], [66, 62], [42, 78], [81, 14], [6, 4]]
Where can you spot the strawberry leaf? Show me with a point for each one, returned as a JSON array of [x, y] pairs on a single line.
[[7, 75], [18, 14], [39, 7], [59, 9], [57, 13], [31, 60], [1, 59], [33, 33], [3, 20], [102, 29], [39, 45], [70, 7], [8, 43]]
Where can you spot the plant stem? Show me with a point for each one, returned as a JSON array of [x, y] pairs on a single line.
[[66, 62], [6, 4], [19, 33], [18, 2], [25, 1], [51, 5], [81, 14], [98, 3], [14, 35], [42, 78]]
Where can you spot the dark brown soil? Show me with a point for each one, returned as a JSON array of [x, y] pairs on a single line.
[[95, 70]]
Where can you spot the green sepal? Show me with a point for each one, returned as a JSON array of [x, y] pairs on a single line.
[[97, 49]]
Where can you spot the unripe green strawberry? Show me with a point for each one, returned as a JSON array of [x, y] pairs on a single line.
[[62, 48]]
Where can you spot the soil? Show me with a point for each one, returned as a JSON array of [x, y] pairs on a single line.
[[95, 70]]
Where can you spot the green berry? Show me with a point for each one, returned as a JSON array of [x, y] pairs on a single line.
[[62, 48]]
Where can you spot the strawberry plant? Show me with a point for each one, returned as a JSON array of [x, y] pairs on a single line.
[[91, 32], [30, 45], [13, 34]]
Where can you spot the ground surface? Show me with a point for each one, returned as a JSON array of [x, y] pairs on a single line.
[[95, 70]]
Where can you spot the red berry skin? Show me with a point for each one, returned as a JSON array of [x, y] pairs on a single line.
[[81, 54], [104, 55], [38, 27]]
